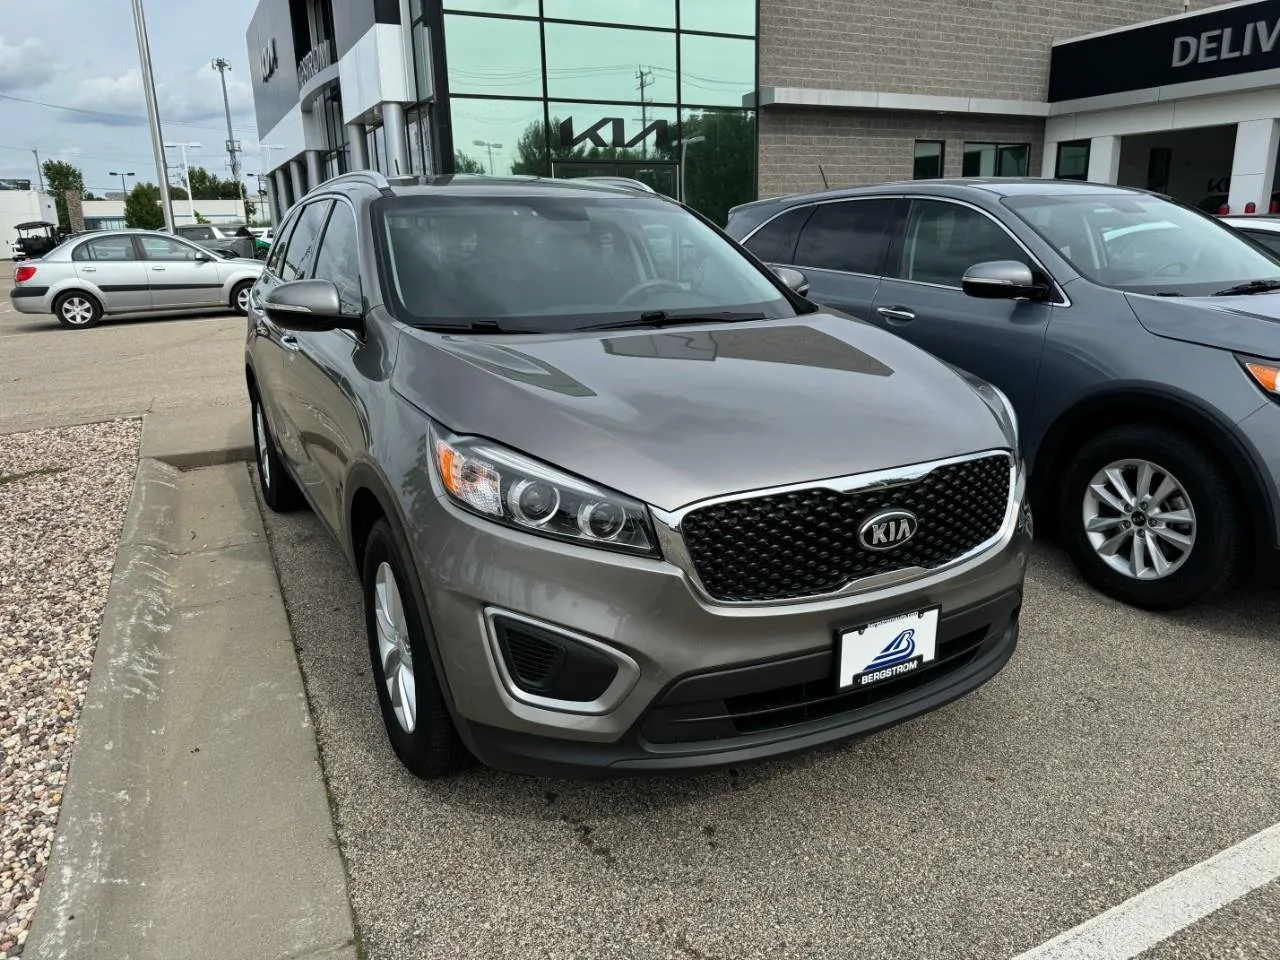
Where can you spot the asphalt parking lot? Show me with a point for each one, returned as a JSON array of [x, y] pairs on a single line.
[[1117, 749]]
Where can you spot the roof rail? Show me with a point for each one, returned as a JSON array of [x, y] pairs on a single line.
[[367, 176]]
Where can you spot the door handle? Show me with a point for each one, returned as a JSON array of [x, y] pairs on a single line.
[[289, 342], [157, 268], [896, 314], [89, 269]]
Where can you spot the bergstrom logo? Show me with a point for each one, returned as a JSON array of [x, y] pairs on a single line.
[[899, 649], [888, 529]]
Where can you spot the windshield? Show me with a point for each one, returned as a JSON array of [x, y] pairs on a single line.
[[1144, 243], [546, 264]]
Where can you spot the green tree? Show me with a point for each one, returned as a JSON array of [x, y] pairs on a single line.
[[59, 177], [465, 164], [142, 207], [720, 170]]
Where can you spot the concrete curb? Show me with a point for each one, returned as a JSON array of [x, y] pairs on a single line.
[[195, 822], [188, 439]]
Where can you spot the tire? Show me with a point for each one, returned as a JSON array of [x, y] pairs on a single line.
[[240, 297], [279, 491], [1197, 528], [77, 310], [418, 723]]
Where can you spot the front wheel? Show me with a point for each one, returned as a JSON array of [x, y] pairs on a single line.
[[279, 492], [1151, 519], [413, 704]]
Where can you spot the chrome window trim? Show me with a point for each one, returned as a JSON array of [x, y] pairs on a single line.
[[667, 525], [1060, 295], [623, 683]]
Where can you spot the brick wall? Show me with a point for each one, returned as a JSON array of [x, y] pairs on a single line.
[[976, 48], [868, 146]]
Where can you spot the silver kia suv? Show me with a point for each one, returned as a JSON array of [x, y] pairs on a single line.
[[621, 499]]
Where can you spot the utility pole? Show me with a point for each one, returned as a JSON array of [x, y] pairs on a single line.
[[153, 110], [646, 79], [39, 171], [222, 65]]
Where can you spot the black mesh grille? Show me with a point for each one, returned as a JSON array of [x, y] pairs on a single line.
[[532, 659], [805, 543]]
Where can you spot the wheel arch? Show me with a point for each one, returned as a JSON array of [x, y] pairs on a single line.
[[1168, 408]]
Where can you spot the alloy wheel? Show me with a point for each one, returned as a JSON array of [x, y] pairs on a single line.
[[77, 311], [394, 651], [242, 300], [1139, 519], [264, 458]]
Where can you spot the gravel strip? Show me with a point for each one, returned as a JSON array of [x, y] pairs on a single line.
[[63, 494]]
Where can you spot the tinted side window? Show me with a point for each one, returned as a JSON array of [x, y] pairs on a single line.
[[849, 236], [300, 254], [1265, 237], [278, 246], [338, 259], [943, 240], [775, 242]]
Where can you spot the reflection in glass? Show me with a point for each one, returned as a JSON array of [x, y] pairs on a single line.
[[612, 132], [928, 162], [719, 154], [522, 8], [996, 159], [719, 16], [716, 71], [645, 13], [607, 63], [509, 130], [1073, 160], [493, 57]]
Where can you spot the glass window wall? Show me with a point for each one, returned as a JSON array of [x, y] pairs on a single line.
[[644, 13], [491, 57]]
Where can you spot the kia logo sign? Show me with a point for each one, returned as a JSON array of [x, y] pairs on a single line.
[[267, 61]]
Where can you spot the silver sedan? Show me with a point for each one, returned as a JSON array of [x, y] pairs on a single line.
[[129, 271]]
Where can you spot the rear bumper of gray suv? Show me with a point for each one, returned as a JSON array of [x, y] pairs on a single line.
[[702, 684]]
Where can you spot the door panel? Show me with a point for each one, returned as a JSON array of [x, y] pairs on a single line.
[[112, 265], [921, 300], [176, 277]]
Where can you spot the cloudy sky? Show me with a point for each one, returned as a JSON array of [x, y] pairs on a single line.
[[78, 61]]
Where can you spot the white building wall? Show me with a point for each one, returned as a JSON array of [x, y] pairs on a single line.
[[22, 206], [212, 210], [375, 71]]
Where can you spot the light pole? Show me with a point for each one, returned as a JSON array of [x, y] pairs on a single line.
[[491, 147], [684, 145], [186, 174], [124, 187], [153, 110], [222, 65]]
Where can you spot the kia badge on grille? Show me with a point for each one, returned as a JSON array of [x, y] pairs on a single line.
[[887, 529]]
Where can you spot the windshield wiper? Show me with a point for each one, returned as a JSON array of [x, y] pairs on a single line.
[[1245, 289], [661, 318]]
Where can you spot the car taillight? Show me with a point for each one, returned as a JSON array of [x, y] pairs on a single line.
[[23, 274], [1275, 207], [1223, 210], [1250, 207]]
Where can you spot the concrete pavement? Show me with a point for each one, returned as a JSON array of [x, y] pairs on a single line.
[[195, 823]]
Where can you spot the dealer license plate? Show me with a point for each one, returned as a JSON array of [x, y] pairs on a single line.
[[887, 649]]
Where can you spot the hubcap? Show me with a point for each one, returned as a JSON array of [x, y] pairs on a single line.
[[77, 310], [1139, 519], [242, 299], [393, 647], [260, 428]]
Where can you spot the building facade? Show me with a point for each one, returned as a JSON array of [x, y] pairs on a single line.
[[719, 101]]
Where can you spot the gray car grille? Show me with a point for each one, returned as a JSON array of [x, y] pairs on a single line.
[[804, 543]]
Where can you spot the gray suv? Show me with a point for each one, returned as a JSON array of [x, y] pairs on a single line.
[[1136, 337], [621, 500]]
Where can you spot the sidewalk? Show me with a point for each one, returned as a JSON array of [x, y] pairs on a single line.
[[195, 823]]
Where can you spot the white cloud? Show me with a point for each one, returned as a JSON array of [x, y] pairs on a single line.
[[24, 66], [117, 100]]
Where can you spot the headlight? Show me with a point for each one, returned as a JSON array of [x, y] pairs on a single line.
[[511, 489], [1265, 373]]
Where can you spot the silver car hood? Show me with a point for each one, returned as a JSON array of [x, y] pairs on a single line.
[[673, 417]]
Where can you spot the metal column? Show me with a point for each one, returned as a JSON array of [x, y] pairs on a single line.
[[299, 181], [284, 199], [357, 148], [315, 176], [393, 132]]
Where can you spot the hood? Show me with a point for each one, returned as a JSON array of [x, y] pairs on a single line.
[[673, 417], [1247, 324]]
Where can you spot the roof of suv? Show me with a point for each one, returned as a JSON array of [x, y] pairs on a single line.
[[466, 184]]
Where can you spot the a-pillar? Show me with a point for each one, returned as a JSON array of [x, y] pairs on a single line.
[[357, 148], [1253, 167], [1104, 159], [397, 145]]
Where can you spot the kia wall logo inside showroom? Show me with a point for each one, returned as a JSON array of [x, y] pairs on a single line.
[[888, 529], [267, 61]]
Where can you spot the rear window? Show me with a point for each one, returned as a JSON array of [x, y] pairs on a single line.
[[848, 236], [775, 242]]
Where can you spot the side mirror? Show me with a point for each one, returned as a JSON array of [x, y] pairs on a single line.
[[1002, 280], [796, 281], [203, 258], [306, 305]]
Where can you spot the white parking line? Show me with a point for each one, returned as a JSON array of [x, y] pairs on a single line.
[[1143, 921]]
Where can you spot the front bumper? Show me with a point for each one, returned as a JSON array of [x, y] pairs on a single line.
[[651, 613], [31, 299]]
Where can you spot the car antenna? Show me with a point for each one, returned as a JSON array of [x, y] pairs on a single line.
[[825, 185]]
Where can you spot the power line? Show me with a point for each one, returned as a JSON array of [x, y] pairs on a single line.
[[103, 113]]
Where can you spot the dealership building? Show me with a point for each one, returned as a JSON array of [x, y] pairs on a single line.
[[720, 101]]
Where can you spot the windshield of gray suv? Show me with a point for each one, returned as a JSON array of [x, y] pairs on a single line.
[[1145, 244], [556, 263]]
